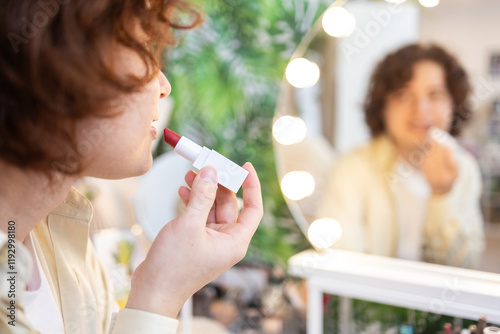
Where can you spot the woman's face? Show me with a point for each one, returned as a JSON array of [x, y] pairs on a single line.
[[422, 103], [119, 147]]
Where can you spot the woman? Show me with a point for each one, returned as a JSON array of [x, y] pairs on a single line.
[[80, 84], [412, 192]]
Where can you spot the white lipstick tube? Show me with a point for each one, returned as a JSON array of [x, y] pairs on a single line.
[[229, 174]]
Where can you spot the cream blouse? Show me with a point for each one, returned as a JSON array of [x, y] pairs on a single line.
[[361, 196], [78, 282]]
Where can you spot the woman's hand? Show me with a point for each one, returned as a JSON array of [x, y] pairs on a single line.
[[204, 241], [440, 168]]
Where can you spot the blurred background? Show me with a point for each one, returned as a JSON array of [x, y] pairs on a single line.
[[228, 87]]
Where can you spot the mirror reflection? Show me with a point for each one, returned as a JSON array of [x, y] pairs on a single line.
[[386, 131]]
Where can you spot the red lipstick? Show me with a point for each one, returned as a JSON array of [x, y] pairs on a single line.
[[171, 138]]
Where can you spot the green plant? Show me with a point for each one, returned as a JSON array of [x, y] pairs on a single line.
[[123, 255], [387, 317], [225, 79]]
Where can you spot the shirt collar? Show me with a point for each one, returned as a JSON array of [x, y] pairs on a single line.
[[75, 206]]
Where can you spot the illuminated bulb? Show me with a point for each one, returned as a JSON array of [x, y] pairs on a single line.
[[324, 232], [297, 185], [302, 73], [288, 130], [136, 229], [429, 3], [338, 22], [397, 2]]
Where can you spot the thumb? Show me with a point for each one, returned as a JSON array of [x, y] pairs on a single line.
[[202, 196]]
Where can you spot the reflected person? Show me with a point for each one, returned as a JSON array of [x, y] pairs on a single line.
[[412, 192]]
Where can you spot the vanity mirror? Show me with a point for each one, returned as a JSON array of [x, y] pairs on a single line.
[[319, 116]]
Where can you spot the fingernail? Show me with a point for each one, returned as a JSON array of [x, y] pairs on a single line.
[[209, 174]]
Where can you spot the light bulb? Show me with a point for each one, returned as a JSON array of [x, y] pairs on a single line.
[[288, 130], [338, 22], [136, 229], [429, 3], [324, 232], [302, 73], [297, 185]]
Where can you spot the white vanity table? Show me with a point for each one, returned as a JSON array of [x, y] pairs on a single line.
[[422, 286]]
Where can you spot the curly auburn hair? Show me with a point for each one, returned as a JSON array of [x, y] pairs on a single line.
[[396, 69], [55, 68]]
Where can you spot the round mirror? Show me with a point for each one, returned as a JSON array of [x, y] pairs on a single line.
[[319, 115]]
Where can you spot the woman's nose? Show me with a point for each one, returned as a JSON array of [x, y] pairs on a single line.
[[422, 107], [165, 87]]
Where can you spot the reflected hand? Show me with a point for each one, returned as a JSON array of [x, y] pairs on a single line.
[[204, 241], [440, 168]]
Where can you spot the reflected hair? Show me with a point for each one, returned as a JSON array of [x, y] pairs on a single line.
[[56, 68], [396, 69]]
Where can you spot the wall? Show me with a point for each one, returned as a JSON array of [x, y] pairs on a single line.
[[381, 28]]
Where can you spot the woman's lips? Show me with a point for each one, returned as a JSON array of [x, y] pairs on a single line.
[[420, 127], [154, 132]]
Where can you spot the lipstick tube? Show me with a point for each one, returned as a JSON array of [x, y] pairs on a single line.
[[229, 174]]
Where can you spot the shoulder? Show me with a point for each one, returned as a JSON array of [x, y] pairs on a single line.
[[375, 155], [359, 169]]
